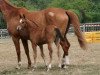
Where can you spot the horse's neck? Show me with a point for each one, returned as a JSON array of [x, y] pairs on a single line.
[[7, 9]]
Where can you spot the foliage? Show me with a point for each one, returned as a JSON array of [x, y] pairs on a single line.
[[81, 6], [40, 4], [2, 22], [24, 3]]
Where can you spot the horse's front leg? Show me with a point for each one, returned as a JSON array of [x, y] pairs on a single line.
[[17, 46], [50, 54], [34, 54], [25, 44], [42, 54]]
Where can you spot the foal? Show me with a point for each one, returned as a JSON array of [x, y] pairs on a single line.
[[39, 36]]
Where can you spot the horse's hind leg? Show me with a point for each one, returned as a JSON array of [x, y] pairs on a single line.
[[65, 45], [58, 53], [25, 44], [42, 53], [50, 54], [17, 46]]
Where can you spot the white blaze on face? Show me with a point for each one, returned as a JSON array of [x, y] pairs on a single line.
[[20, 21], [51, 14]]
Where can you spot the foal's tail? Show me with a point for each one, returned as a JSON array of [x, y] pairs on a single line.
[[73, 19], [58, 34]]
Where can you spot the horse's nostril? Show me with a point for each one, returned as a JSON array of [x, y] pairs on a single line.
[[19, 28]]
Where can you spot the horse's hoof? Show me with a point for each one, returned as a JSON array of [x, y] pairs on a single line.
[[59, 66], [33, 69], [34, 66], [46, 65], [47, 70], [29, 67], [18, 68], [63, 66]]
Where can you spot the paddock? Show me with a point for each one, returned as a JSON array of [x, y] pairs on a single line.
[[82, 62]]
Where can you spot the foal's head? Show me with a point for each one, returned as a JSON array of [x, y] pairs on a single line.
[[22, 22], [25, 23]]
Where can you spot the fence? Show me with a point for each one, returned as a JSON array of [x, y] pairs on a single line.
[[91, 32], [4, 33], [91, 27], [87, 27]]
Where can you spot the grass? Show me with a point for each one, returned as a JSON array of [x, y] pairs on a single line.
[[82, 62], [70, 70]]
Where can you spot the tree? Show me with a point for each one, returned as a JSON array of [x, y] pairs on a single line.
[[40, 4], [81, 7], [24, 3]]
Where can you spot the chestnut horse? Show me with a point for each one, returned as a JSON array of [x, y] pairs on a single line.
[[12, 19], [39, 36], [52, 16]]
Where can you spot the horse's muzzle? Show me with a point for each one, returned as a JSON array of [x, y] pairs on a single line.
[[19, 28]]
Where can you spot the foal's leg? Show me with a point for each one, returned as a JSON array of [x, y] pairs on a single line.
[[34, 54], [65, 45], [17, 46], [50, 54], [42, 53], [58, 53], [25, 44]]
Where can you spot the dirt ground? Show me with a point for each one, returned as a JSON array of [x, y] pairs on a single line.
[[81, 62]]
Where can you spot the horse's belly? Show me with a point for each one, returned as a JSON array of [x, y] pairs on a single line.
[[42, 41]]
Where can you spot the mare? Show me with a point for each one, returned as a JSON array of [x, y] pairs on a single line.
[[52, 16], [11, 16], [39, 36]]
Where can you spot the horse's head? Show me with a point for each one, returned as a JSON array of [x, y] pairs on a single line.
[[22, 22], [25, 23]]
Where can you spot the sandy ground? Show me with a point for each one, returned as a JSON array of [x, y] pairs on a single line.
[[81, 62]]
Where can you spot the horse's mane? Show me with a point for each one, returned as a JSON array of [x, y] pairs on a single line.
[[13, 6]]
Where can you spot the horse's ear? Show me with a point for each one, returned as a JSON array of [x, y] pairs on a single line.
[[20, 15], [24, 16]]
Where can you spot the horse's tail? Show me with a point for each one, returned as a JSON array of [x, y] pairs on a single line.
[[58, 35], [73, 18]]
